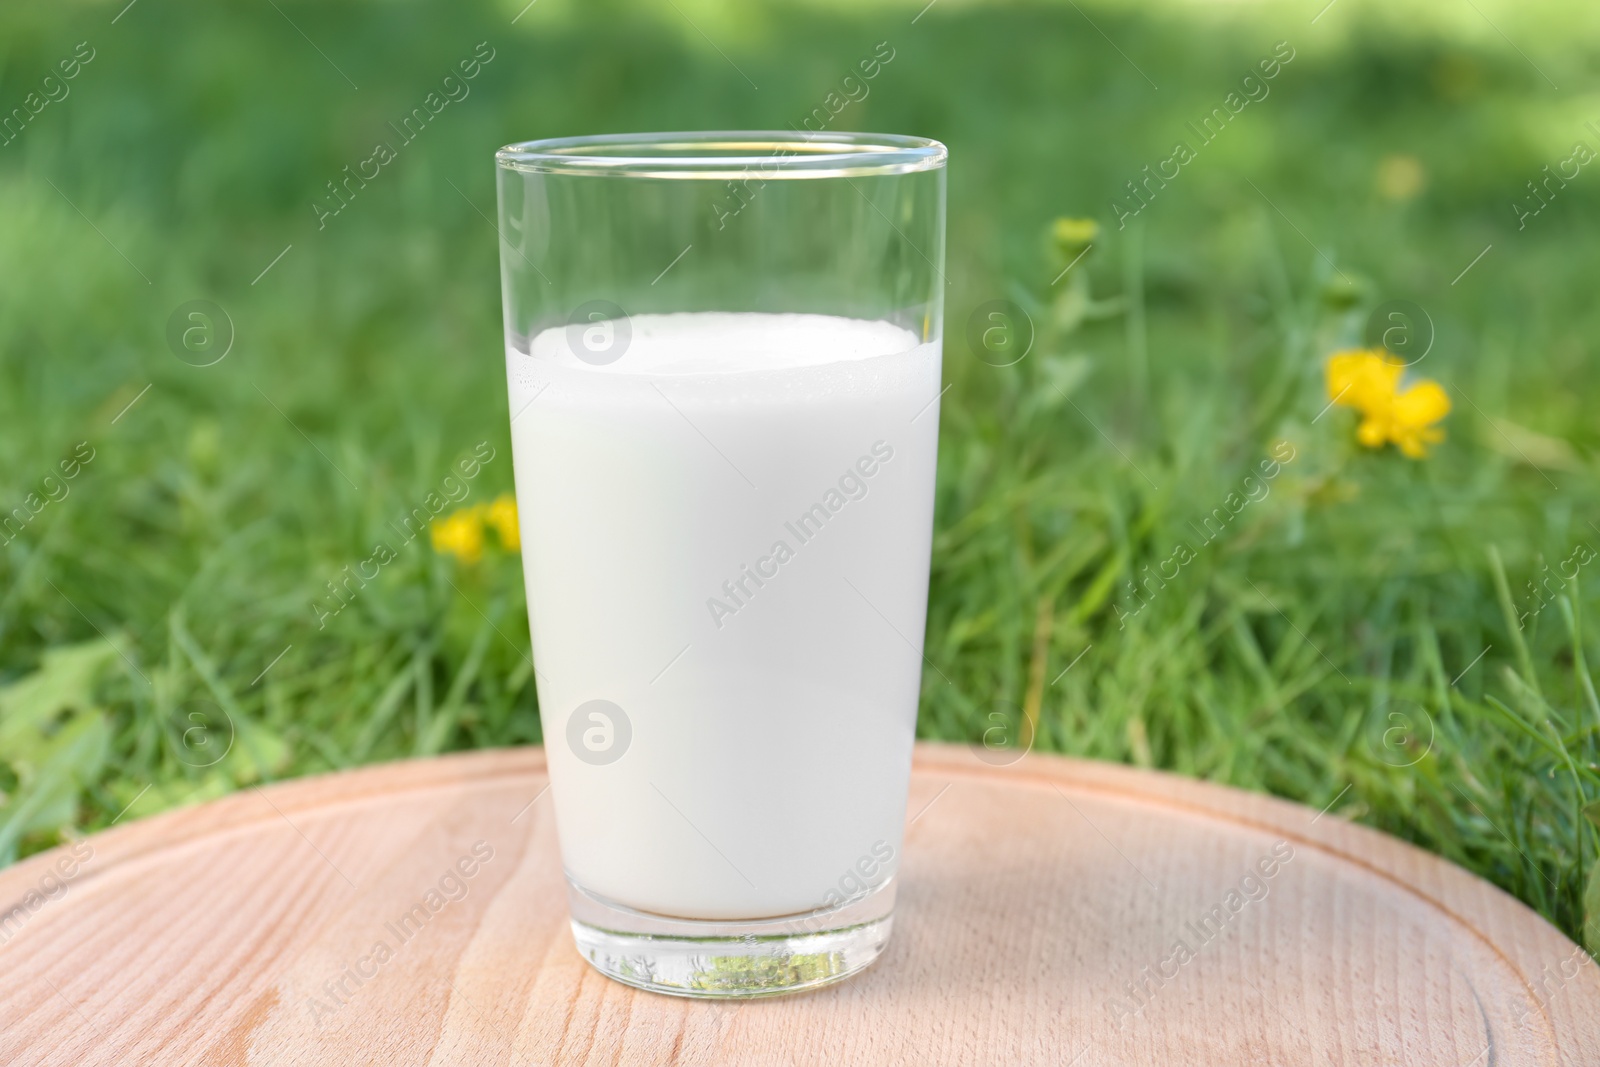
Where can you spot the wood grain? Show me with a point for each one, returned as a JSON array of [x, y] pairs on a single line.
[[1039, 914]]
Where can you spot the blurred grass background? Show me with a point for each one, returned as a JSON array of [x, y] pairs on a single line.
[[1351, 640]]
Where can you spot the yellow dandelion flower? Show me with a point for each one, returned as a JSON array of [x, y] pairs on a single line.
[[459, 534], [1369, 381], [1372, 432], [1363, 378], [1412, 415], [1074, 234], [502, 515]]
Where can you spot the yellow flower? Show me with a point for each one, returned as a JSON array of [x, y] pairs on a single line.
[[1075, 233], [1070, 239], [502, 515], [1400, 177], [1369, 381], [459, 534], [1363, 378], [1412, 416]]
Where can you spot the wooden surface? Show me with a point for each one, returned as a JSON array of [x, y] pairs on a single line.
[[1033, 898]]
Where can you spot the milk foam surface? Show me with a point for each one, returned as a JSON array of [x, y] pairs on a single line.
[[726, 534], [732, 343]]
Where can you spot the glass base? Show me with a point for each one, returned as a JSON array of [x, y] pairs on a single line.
[[731, 958]]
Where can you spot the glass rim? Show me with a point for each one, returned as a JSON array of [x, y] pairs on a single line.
[[720, 154]]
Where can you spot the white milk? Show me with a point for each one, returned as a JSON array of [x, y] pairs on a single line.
[[726, 534]]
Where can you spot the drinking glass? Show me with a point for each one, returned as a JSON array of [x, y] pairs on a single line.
[[723, 358]]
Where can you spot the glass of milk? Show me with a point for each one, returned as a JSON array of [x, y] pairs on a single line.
[[723, 358]]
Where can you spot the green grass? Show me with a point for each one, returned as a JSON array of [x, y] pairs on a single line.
[[188, 552]]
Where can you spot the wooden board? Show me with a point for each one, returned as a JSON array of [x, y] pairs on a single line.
[[1039, 912]]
